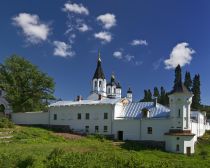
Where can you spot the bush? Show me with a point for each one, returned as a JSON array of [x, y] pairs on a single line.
[[6, 123]]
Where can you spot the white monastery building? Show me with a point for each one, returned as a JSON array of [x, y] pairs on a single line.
[[106, 112]]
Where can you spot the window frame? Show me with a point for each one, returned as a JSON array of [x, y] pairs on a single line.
[[55, 116], [87, 116], [105, 116], [96, 128], [87, 127], [105, 128], [79, 116], [149, 130]]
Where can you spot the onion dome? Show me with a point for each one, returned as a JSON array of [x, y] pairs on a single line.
[[129, 90]]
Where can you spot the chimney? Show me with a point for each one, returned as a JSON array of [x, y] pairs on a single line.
[[99, 97], [79, 98], [155, 101]]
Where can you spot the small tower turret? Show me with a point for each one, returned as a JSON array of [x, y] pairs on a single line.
[[99, 80], [130, 95], [118, 90]]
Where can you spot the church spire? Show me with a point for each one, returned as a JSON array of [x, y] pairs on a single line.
[[99, 74]]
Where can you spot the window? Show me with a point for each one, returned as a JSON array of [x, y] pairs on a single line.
[[96, 129], [87, 116], [177, 147], [149, 130], [114, 90], [105, 116], [100, 83], [95, 84], [109, 90], [179, 113], [105, 128], [79, 116], [55, 117], [86, 128], [177, 138]]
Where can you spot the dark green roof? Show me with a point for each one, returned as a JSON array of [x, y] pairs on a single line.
[[129, 90], [180, 88], [99, 74]]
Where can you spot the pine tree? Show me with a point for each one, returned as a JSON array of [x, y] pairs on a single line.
[[145, 96], [178, 77], [162, 95], [149, 95], [156, 92], [188, 81], [196, 101]]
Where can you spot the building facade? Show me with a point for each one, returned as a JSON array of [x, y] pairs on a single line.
[[107, 112]]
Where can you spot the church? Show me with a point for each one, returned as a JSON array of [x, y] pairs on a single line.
[[105, 111]]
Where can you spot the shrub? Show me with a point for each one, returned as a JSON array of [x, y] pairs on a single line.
[[6, 123]]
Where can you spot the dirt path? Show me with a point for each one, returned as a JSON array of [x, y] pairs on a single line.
[[70, 136]]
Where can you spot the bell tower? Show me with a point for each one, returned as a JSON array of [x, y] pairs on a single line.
[[99, 80]]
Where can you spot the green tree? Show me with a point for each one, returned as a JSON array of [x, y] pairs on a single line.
[[156, 93], [178, 77], [149, 95], [196, 101], [27, 88], [188, 81]]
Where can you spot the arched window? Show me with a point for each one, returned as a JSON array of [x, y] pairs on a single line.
[[109, 90], [100, 83]]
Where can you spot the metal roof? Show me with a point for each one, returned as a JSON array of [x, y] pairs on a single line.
[[134, 110], [85, 102]]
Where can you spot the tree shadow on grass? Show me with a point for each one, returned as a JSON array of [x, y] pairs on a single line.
[[142, 145]]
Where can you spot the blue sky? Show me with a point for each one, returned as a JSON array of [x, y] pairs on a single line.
[[140, 41]]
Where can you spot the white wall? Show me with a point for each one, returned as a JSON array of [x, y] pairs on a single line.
[[130, 128], [31, 118], [67, 115], [183, 142], [159, 128]]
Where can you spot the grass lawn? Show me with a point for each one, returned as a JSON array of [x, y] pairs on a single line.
[[37, 147]]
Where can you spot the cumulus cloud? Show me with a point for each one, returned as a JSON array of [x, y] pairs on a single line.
[[62, 49], [34, 30], [103, 36], [83, 27], [75, 8], [118, 54], [181, 54], [137, 42], [108, 20]]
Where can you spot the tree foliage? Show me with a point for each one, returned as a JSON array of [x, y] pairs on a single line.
[[196, 102], [178, 77], [188, 81], [26, 87]]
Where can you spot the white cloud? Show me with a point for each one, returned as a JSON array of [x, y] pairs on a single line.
[[181, 54], [104, 36], [75, 8], [108, 20], [62, 49], [129, 57], [83, 27], [32, 28], [157, 63], [137, 42], [118, 54]]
